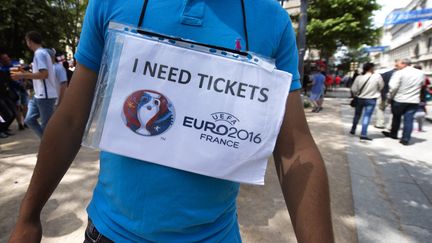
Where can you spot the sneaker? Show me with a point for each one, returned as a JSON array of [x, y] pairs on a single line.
[[388, 134], [380, 127], [3, 135], [365, 138], [404, 142]]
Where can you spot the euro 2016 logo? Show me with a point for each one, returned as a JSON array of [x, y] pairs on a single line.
[[148, 113]]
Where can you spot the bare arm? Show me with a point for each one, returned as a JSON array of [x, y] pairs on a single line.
[[62, 91], [42, 74], [303, 176], [56, 153]]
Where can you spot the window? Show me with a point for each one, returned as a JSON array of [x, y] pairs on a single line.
[[429, 44]]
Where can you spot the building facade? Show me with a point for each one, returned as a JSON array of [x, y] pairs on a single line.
[[410, 40]]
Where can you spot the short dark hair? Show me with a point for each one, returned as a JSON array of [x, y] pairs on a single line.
[[34, 36], [367, 67]]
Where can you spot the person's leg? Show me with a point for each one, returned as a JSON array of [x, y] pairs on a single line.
[[320, 102], [380, 119], [369, 108], [46, 109], [397, 110], [32, 116], [357, 114], [420, 123], [312, 99], [408, 122], [7, 116], [314, 105], [11, 106]]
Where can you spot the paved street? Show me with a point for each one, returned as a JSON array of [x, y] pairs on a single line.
[[381, 191]]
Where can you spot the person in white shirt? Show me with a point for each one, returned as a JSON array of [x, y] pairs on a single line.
[[60, 76], [404, 93], [42, 104], [367, 88]]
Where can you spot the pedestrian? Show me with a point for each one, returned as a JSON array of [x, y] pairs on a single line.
[[382, 100], [420, 115], [349, 84], [8, 99], [328, 83], [18, 87], [44, 84], [404, 95], [318, 82], [68, 71], [60, 75], [323, 70], [138, 201], [337, 81], [366, 88]]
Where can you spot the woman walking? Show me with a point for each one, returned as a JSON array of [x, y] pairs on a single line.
[[318, 80], [366, 88]]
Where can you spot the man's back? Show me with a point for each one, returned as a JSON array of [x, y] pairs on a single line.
[[318, 82], [405, 85], [44, 88]]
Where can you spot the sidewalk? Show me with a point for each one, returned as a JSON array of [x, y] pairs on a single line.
[[389, 200], [391, 184]]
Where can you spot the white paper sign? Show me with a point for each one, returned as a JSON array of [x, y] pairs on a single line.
[[194, 111]]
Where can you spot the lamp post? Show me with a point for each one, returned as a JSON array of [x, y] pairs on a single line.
[[301, 35]]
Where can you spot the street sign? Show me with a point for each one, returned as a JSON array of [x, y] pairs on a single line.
[[403, 17]]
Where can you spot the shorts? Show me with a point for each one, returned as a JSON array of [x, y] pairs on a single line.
[[23, 98]]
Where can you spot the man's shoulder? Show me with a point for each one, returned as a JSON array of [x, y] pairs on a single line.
[[272, 9], [41, 52], [377, 76]]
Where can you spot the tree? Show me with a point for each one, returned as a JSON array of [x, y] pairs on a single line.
[[57, 20], [335, 23], [72, 14]]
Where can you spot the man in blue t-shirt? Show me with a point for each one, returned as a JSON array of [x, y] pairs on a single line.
[[137, 201]]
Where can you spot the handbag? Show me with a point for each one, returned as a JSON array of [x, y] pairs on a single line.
[[354, 100]]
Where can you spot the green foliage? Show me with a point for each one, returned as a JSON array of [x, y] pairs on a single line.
[[334, 23], [57, 20]]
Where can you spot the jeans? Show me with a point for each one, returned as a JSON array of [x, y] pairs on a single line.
[[368, 105], [407, 110], [92, 235], [39, 108]]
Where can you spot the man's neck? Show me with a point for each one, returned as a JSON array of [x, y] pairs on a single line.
[[35, 47]]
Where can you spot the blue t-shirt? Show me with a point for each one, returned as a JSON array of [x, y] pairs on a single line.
[[137, 201], [318, 83]]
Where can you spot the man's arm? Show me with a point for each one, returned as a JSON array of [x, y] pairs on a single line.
[[42, 74], [63, 87], [60, 144], [302, 175]]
